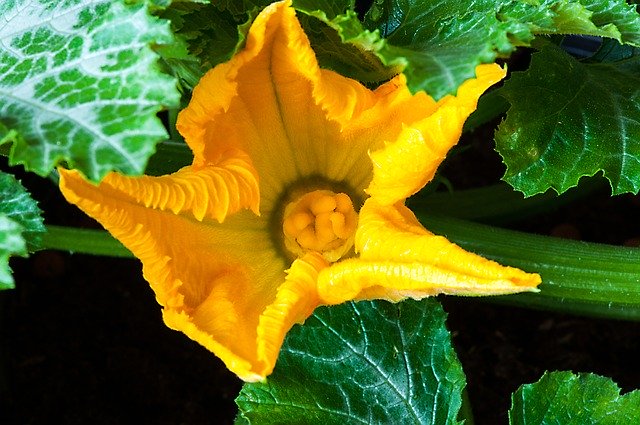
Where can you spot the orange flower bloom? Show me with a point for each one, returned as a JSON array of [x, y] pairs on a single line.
[[295, 167]]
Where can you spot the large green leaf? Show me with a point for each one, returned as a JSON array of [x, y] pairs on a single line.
[[11, 243], [17, 204], [441, 42], [436, 44], [366, 362], [79, 82], [570, 119], [569, 399]]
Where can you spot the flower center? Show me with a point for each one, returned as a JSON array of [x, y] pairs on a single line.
[[320, 221]]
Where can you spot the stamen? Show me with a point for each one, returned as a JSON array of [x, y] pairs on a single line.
[[320, 221]]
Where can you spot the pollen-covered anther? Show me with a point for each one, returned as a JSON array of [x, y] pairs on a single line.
[[321, 221]]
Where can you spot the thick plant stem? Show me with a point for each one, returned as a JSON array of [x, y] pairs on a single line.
[[83, 241], [578, 277], [466, 413]]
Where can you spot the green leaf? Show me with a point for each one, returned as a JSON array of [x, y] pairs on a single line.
[[570, 119], [213, 34], [80, 83], [207, 36], [436, 44], [341, 42], [366, 362], [569, 399], [343, 45], [17, 205], [241, 7], [21, 225], [611, 51], [616, 16], [613, 19], [11, 243], [329, 8], [439, 43]]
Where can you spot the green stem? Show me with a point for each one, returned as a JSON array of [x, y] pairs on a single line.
[[466, 413], [83, 241], [578, 277], [499, 203]]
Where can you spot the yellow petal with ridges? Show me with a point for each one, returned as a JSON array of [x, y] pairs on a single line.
[[404, 166], [211, 286], [399, 258], [212, 191], [296, 299]]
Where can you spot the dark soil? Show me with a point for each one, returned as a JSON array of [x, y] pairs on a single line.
[[83, 341]]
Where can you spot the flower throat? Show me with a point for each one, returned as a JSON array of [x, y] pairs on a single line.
[[316, 216]]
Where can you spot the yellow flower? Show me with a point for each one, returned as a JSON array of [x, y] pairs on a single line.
[[295, 167]]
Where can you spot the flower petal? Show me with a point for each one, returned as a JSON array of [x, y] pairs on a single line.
[[294, 119], [295, 301], [261, 102], [399, 258], [211, 286], [404, 166], [212, 191]]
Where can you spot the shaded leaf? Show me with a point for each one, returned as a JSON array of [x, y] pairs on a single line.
[[569, 399], [241, 7], [570, 119], [611, 51], [366, 362], [343, 45], [79, 82]]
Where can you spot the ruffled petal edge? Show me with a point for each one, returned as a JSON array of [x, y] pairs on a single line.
[[212, 191]]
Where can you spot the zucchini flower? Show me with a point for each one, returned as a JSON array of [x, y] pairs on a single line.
[[295, 199]]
